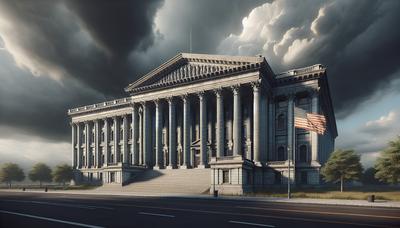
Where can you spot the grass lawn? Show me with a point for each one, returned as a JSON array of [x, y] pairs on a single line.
[[355, 193]]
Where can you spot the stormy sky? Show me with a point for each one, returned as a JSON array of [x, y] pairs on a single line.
[[57, 54]]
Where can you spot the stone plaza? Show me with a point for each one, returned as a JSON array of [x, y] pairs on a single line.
[[229, 115]]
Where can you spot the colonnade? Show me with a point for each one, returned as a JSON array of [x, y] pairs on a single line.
[[136, 138]]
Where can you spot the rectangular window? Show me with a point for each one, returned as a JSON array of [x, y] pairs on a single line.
[[225, 176]]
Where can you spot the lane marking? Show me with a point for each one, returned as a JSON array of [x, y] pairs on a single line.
[[251, 224], [155, 214], [51, 219], [81, 206], [320, 212], [250, 215]]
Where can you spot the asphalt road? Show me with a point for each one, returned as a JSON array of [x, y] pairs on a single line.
[[66, 210]]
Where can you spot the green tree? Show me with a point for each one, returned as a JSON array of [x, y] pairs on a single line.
[[62, 173], [10, 172], [342, 165], [388, 164], [368, 177], [40, 172]]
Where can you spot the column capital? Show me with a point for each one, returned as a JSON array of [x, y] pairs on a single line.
[[201, 94], [157, 102], [256, 86], [143, 103], [184, 97], [218, 92], [235, 89], [314, 92], [291, 95], [170, 100]]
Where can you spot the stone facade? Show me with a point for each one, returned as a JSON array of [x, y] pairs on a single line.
[[230, 114]]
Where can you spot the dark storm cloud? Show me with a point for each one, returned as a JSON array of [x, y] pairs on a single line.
[[83, 46], [85, 57], [37, 106], [357, 40], [120, 26], [366, 52]]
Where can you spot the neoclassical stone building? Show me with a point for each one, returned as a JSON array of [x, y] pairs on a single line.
[[231, 115]]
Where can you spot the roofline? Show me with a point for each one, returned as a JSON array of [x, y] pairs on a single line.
[[188, 56]]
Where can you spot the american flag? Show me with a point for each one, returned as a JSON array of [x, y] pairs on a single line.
[[309, 121]]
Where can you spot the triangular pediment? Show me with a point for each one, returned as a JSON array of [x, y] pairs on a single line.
[[188, 67]]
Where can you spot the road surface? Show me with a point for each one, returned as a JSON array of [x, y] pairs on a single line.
[[69, 210]]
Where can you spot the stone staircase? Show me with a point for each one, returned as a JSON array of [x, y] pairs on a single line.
[[185, 181]]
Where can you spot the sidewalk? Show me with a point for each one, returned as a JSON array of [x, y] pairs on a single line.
[[363, 203]]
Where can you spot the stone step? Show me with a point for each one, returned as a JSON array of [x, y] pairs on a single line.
[[192, 181]]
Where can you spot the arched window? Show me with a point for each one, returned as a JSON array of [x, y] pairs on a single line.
[[281, 122], [303, 153], [281, 153]]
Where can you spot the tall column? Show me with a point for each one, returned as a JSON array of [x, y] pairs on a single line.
[[172, 133], [140, 134], [73, 139], [78, 145], [146, 135], [87, 145], [135, 134], [290, 127], [125, 139], [256, 123], [237, 121], [220, 139], [106, 141], [159, 128], [186, 131], [97, 136], [314, 135], [203, 130], [116, 140]]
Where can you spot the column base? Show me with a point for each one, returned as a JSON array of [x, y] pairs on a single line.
[[184, 167], [157, 167], [202, 166], [171, 167]]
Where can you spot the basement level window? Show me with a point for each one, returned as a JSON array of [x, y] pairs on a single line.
[[225, 176]]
